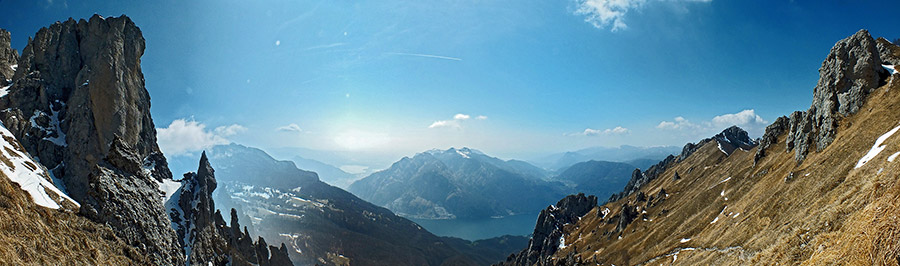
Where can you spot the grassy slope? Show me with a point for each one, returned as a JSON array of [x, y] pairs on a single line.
[[834, 215], [33, 235]]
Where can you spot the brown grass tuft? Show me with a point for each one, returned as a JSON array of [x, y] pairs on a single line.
[[34, 235]]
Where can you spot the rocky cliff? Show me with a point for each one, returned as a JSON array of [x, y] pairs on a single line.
[[8, 59], [547, 236], [206, 237], [77, 102], [852, 70]]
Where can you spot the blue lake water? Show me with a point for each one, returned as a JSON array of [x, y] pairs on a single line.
[[474, 229]]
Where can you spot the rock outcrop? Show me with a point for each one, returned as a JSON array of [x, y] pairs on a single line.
[[8, 59], [781, 125], [847, 76], [207, 239], [77, 102], [889, 52], [546, 237]]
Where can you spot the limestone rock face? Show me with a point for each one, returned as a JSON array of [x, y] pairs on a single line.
[[889, 53], [770, 136], [848, 75], [77, 102], [8, 59], [547, 232]]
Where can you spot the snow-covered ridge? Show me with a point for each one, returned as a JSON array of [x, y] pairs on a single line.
[[31, 176]]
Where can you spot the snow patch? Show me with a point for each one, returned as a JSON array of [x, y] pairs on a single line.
[[14, 67], [893, 156], [684, 240], [463, 154], [562, 242], [890, 68], [714, 220], [724, 180], [720, 147], [4, 91], [877, 148], [31, 176]]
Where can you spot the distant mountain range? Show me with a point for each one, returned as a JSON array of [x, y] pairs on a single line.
[[327, 173], [599, 178], [466, 183], [459, 183], [640, 156], [323, 224]]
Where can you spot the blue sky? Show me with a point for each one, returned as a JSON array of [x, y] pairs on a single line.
[[513, 78]]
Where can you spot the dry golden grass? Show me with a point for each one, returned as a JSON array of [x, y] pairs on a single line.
[[34, 235], [828, 213]]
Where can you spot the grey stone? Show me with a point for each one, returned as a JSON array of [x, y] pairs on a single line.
[[82, 83], [770, 137], [8, 58], [545, 239]]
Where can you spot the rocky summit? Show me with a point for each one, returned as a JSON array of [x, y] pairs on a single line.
[[847, 76], [77, 102]]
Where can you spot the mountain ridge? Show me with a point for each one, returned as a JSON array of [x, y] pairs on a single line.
[[794, 197]]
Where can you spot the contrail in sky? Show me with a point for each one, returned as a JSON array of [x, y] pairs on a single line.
[[428, 56]]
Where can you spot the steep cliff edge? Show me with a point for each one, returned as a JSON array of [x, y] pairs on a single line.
[[77, 103]]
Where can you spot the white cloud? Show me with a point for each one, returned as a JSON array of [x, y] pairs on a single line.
[[679, 123], [182, 137], [609, 131], [455, 122], [231, 130], [290, 128], [611, 13], [444, 123], [746, 119], [742, 118]]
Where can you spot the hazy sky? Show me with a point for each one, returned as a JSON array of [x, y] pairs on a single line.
[[511, 78]]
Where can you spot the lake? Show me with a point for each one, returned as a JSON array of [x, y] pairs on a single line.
[[475, 229]]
